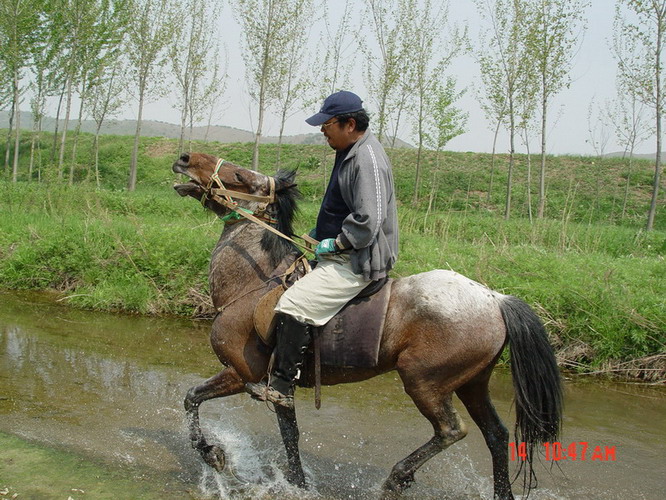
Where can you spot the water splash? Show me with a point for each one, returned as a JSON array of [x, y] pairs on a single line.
[[254, 470]]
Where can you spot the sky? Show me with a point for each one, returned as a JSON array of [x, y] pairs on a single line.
[[592, 75]]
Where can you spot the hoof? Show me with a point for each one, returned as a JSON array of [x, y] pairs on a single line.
[[394, 486], [389, 495], [296, 479], [214, 456]]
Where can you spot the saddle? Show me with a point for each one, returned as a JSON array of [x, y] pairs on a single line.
[[350, 339]]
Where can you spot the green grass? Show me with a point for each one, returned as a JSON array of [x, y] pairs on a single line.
[[596, 278], [63, 474]]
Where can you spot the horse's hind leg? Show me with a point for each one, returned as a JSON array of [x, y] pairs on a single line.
[[225, 383], [449, 428], [476, 399]]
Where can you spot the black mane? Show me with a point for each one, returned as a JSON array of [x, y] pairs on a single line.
[[283, 210]]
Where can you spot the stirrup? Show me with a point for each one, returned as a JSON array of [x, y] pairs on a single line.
[[263, 392]]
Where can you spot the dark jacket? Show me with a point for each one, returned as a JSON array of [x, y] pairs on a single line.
[[371, 230]]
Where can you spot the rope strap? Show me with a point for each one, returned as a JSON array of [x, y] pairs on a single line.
[[249, 216]]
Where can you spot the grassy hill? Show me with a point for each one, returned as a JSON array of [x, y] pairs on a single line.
[[595, 277]]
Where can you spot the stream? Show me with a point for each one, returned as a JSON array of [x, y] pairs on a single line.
[[91, 407]]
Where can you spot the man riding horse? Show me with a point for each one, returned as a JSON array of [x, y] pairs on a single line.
[[357, 229]]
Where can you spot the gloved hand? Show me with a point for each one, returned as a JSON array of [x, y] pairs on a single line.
[[325, 246]]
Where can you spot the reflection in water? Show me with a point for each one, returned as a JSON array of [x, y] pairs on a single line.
[[110, 388]]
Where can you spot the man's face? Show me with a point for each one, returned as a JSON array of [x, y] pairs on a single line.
[[339, 135]]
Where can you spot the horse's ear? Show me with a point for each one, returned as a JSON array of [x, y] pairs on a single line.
[[284, 186], [284, 180]]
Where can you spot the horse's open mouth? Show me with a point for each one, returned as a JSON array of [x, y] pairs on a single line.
[[191, 188]]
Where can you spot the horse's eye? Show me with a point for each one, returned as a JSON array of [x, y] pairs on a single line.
[[239, 178]]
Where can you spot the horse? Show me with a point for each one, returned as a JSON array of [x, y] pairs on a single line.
[[443, 333]]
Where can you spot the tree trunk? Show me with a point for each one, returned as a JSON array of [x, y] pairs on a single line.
[[191, 131], [257, 136], [529, 178], [509, 181], [417, 179], [183, 121], [397, 124], [492, 160], [17, 140], [627, 184], [655, 186], [542, 171], [131, 183], [210, 120], [68, 107], [57, 124], [279, 144], [382, 119], [77, 133], [8, 146], [33, 139], [96, 151], [657, 164]]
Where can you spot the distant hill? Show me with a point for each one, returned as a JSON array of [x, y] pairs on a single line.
[[152, 128], [646, 156]]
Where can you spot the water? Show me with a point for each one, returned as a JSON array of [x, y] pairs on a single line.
[[91, 407]]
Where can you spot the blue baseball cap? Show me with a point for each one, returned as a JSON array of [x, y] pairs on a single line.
[[336, 104]]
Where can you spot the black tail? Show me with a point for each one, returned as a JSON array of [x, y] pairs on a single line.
[[536, 381]]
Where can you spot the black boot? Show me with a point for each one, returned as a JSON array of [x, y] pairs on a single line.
[[293, 338]]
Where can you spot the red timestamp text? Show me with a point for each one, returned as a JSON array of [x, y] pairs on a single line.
[[577, 450]]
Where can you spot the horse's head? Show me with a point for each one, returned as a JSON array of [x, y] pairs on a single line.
[[208, 176], [201, 168]]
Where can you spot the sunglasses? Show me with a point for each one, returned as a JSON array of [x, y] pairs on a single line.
[[324, 125]]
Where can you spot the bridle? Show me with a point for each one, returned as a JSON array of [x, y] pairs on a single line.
[[217, 191], [225, 197]]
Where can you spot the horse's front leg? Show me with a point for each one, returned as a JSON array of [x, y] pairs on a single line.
[[225, 383], [290, 435]]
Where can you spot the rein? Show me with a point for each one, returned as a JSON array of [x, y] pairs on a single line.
[[225, 197], [281, 277]]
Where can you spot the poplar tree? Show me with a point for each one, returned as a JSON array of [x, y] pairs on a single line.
[[293, 82], [335, 54], [265, 25], [73, 19], [101, 35], [19, 21], [106, 98], [44, 82], [506, 68], [444, 122], [193, 55], [430, 55], [493, 102], [389, 21], [638, 47], [627, 114], [554, 27], [151, 27]]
